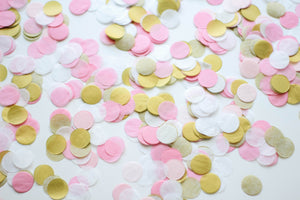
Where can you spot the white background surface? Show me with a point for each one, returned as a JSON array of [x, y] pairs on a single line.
[[279, 182]]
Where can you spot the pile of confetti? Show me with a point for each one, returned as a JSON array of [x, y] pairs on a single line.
[[184, 147]]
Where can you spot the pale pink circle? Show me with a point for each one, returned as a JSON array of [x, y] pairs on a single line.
[[167, 111], [114, 146], [62, 111], [155, 189], [46, 45], [59, 33], [83, 119], [58, 20], [92, 163], [105, 39], [76, 86], [33, 51], [9, 95], [288, 72], [141, 138], [266, 160], [278, 100], [249, 68], [265, 86], [142, 44], [61, 96], [297, 10], [119, 189], [266, 68], [4, 5], [159, 33], [255, 137], [207, 78], [175, 169], [132, 127], [132, 171], [215, 2], [163, 69], [79, 7], [157, 150], [31, 27], [273, 32], [248, 152], [149, 135], [7, 18], [289, 20], [201, 19], [90, 47], [105, 156], [170, 154], [131, 2], [106, 77], [22, 182], [180, 50], [67, 152], [80, 70], [17, 3], [33, 9], [246, 93], [113, 110], [262, 124]]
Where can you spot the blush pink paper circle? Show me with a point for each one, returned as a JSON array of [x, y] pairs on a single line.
[[132, 171], [76, 86], [255, 137], [90, 47], [273, 32], [4, 5], [17, 3], [155, 189], [157, 150], [265, 86], [141, 138], [201, 19], [170, 154], [59, 33], [131, 2], [266, 68], [141, 45], [80, 70], [149, 135], [119, 189], [297, 10], [22, 182], [288, 72], [79, 7], [175, 169], [7, 18], [9, 95], [33, 9], [208, 78], [246, 93], [278, 100], [113, 110], [62, 111], [31, 27], [106, 77], [180, 50], [167, 110], [159, 33], [33, 51], [215, 2], [105, 39], [67, 152], [114, 146], [61, 96], [83, 119], [163, 69], [249, 68], [248, 152], [105, 156], [289, 20], [262, 124], [46, 45], [59, 19], [92, 163]]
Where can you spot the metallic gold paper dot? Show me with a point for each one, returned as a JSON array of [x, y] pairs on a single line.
[[153, 104], [148, 21], [35, 91], [166, 96], [195, 71], [115, 31], [294, 94], [120, 95], [56, 144], [16, 115], [57, 189], [236, 84], [251, 12], [280, 83], [125, 76], [216, 28], [188, 132], [295, 58], [80, 138], [263, 49], [201, 164], [91, 94], [236, 136], [141, 102], [52, 8], [25, 134], [136, 13], [210, 183], [22, 81], [3, 73], [148, 81], [41, 173]]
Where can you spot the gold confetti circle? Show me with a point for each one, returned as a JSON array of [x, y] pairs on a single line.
[[120, 95], [280, 83], [58, 121], [295, 58], [57, 188], [11, 31], [80, 138], [215, 62], [141, 102], [41, 173], [251, 185], [236, 136], [22, 81], [115, 31], [16, 115], [56, 144], [216, 28], [3, 72], [273, 136], [285, 148], [210, 183], [136, 13], [148, 21], [294, 94], [35, 91], [195, 71], [188, 132], [25, 134], [91, 94], [148, 81], [201, 164], [166, 96], [191, 188], [236, 84], [52, 8], [262, 49], [153, 104], [167, 4], [126, 77], [251, 12]]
